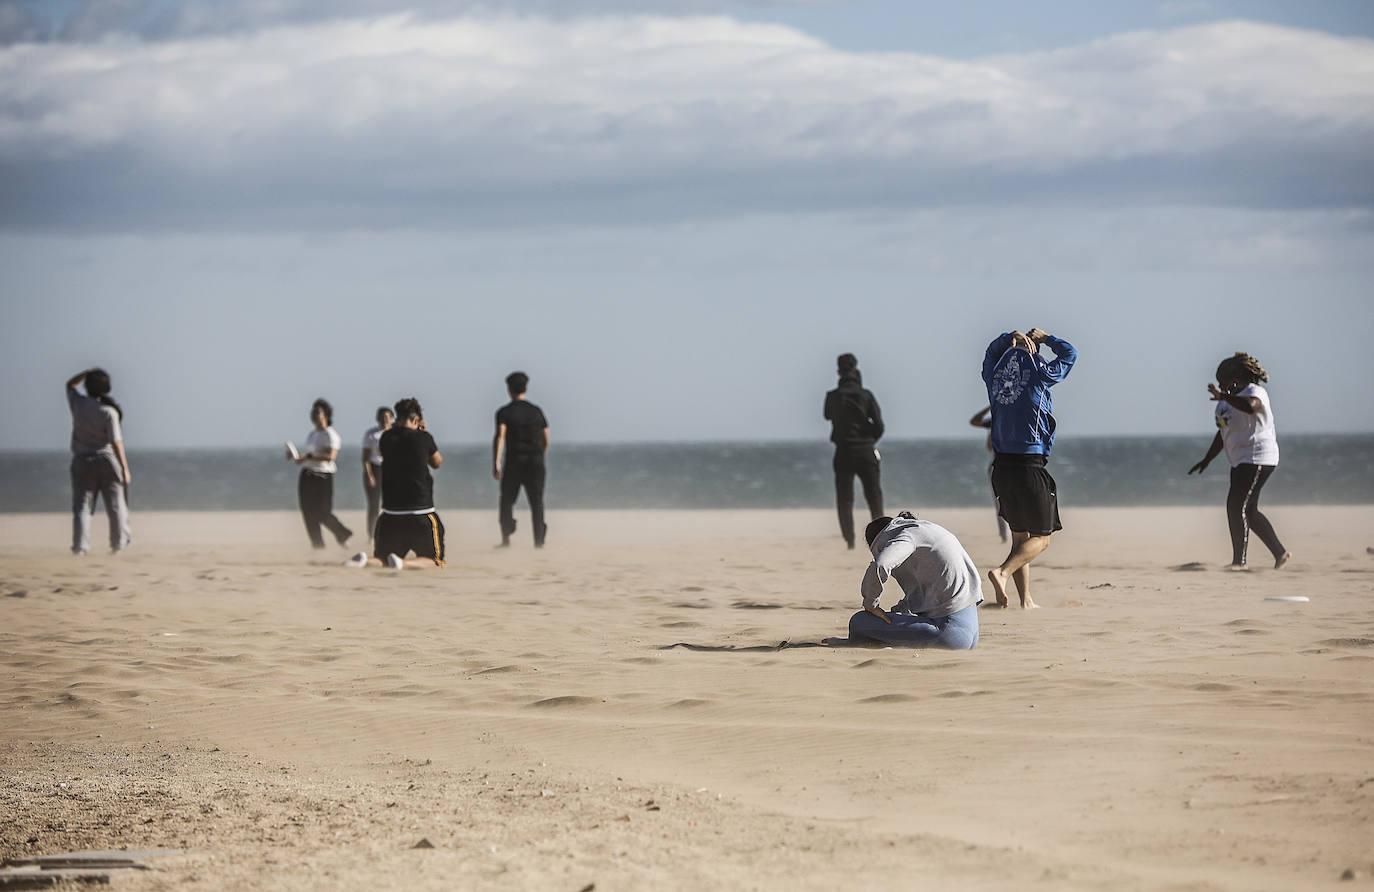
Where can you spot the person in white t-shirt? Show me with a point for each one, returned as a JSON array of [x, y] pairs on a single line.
[[99, 464], [1245, 430], [316, 486], [372, 467]]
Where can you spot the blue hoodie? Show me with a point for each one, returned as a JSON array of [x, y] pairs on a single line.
[[1019, 385]]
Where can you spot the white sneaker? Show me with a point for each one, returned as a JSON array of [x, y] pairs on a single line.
[[358, 560], [394, 562]]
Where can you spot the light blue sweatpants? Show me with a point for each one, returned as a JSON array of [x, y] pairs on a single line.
[[958, 631]]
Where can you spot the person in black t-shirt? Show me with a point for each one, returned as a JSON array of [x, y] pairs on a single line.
[[856, 425], [408, 521], [517, 455]]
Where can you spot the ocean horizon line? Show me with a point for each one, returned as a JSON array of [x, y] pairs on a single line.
[[1203, 436], [1090, 471]]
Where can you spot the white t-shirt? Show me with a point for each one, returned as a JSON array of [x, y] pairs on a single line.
[[1248, 439], [321, 441], [373, 440]]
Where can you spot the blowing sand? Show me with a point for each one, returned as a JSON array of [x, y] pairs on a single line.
[[299, 725]]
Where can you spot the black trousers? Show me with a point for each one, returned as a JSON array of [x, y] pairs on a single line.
[[850, 461], [1243, 513], [316, 494], [528, 472]]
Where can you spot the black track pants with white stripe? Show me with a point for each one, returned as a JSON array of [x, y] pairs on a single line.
[[1243, 514]]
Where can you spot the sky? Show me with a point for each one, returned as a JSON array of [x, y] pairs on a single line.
[[674, 214]]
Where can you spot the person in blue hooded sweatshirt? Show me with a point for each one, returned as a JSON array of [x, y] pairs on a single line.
[[1022, 432]]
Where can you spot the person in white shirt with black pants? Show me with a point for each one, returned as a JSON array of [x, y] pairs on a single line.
[[316, 486], [1245, 429], [372, 467]]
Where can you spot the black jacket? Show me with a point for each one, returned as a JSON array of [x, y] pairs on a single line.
[[853, 413]]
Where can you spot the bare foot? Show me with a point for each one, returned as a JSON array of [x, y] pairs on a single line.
[[1282, 560], [1237, 568], [1028, 604], [999, 586]]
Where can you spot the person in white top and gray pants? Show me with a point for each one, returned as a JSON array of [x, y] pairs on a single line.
[[99, 465]]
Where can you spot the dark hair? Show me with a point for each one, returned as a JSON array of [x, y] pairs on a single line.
[[409, 407], [1242, 367], [874, 528], [517, 382], [98, 387], [323, 405], [846, 362], [387, 410], [877, 526]]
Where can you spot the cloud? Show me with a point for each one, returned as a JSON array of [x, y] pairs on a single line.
[[92, 20], [493, 120]]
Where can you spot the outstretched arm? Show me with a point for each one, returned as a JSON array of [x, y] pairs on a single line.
[[1212, 452], [1247, 404]]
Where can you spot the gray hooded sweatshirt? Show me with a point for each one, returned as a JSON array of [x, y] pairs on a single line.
[[932, 568]]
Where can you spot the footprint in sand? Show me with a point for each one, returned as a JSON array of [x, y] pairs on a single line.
[[560, 702], [1348, 642], [688, 703], [889, 698]]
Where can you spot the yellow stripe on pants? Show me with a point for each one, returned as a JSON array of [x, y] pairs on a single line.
[[438, 546]]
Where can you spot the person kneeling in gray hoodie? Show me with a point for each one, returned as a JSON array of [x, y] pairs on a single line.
[[940, 585]]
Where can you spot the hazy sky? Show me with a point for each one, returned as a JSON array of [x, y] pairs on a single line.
[[673, 214]]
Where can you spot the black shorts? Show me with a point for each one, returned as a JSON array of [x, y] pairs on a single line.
[[1026, 494], [400, 533]]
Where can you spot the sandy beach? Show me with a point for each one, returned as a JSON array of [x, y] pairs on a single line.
[[295, 724]]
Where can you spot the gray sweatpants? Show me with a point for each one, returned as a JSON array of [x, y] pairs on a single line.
[[94, 476]]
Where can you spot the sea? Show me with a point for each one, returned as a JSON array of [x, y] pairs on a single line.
[[1322, 469]]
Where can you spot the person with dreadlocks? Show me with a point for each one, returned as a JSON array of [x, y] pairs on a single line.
[[1245, 429], [99, 465]]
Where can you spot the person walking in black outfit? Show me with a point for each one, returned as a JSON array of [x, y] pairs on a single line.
[[856, 425], [517, 453]]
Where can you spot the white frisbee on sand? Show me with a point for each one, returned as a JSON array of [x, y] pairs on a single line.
[[1302, 598]]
